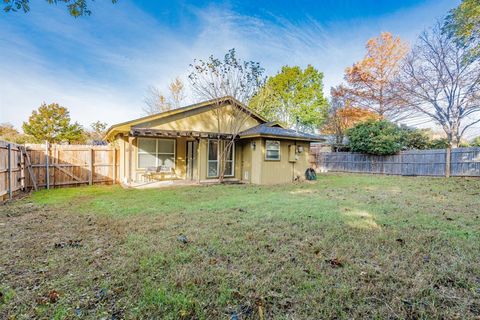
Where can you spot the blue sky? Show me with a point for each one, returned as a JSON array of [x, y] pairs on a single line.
[[101, 65]]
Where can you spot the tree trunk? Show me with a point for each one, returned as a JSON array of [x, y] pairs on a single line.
[[448, 159], [221, 160]]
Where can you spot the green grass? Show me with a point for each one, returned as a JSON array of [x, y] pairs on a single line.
[[408, 248]]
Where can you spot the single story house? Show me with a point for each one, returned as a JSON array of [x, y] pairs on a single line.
[[186, 143]]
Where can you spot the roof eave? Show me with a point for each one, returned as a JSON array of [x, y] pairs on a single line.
[[259, 135]]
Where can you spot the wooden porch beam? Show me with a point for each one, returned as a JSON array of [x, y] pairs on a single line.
[[140, 132]]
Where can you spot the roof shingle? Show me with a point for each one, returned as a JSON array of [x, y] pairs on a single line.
[[272, 129]]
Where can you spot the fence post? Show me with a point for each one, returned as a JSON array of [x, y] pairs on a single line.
[[47, 166], [114, 165], [54, 163], [448, 160], [90, 163], [22, 169], [9, 163]]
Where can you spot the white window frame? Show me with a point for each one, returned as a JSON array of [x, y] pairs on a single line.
[[232, 161], [156, 154], [279, 151], [219, 145], [208, 160]]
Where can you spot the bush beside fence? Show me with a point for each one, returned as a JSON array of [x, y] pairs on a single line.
[[465, 162]]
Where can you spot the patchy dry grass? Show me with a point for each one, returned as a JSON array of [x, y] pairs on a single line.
[[346, 246]]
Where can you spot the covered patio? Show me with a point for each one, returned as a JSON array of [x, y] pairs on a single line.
[[156, 158]]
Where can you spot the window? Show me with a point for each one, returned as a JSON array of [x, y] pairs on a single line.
[[229, 161], [215, 148], [213, 167], [158, 153], [272, 148]]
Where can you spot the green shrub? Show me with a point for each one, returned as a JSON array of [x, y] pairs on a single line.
[[440, 143], [475, 142], [415, 139], [376, 137]]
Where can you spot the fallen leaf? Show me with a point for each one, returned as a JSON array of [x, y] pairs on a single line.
[[334, 263], [53, 296]]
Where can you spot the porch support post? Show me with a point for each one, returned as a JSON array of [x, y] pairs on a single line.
[[130, 158], [199, 162]]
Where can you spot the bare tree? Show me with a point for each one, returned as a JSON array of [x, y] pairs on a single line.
[[214, 79], [177, 92], [156, 101], [439, 81]]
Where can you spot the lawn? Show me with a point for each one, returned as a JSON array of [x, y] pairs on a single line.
[[345, 246]]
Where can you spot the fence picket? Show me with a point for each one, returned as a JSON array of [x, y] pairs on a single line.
[[464, 162], [34, 165]]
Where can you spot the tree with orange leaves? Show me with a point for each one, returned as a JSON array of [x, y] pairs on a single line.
[[343, 116], [370, 81]]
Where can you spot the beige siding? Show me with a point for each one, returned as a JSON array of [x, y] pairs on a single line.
[[246, 174], [238, 161], [202, 156], [261, 171], [257, 160], [181, 158], [303, 161], [203, 119], [277, 171], [120, 142]]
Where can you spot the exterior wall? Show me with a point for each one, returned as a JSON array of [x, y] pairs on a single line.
[[238, 161], [181, 157], [246, 173], [118, 141], [261, 171], [202, 156], [203, 119], [277, 171], [303, 162], [257, 159]]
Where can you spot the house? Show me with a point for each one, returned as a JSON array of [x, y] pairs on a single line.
[[187, 144]]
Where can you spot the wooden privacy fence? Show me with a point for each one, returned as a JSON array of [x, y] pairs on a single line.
[[55, 166], [12, 172], [465, 162]]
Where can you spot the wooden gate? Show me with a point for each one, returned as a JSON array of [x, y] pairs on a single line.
[[56, 166]]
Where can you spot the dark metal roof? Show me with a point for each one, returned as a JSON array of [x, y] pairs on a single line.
[[272, 129]]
